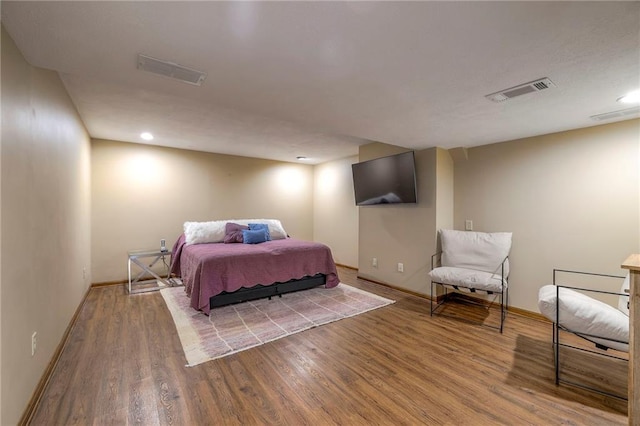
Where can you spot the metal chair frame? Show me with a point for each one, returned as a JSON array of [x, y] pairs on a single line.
[[557, 328], [503, 294]]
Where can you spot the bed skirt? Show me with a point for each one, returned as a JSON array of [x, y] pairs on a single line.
[[262, 291]]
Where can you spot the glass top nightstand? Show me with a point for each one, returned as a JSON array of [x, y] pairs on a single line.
[[157, 282]]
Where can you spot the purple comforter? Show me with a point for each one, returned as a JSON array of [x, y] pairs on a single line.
[[209, 269]]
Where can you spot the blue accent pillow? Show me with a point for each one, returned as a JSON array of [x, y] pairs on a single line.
[[257, 226], [254, 236]]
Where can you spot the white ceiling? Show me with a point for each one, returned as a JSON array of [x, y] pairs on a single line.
[[321, 78]]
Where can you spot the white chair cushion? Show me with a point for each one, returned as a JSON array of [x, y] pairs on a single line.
[[585, 315], [475, 250], [467, 278]]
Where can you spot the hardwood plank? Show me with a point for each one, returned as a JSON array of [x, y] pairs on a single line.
[[396, 365]]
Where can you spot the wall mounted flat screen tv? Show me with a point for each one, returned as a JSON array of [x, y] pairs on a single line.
[[386, 180]]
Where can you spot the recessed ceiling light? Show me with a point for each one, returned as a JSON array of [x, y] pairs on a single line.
[[630, 98], [301, 158], [146, 136]]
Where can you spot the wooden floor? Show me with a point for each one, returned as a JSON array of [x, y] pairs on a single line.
[[397, 365]]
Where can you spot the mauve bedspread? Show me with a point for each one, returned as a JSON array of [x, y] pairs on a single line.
[[209, 269]]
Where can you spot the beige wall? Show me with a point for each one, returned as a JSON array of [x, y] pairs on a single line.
[[45, 222], [335, 214], [444, 190], [571, 200], [406, 233], [141, 194]]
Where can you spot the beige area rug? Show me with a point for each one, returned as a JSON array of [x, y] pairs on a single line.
[[234, 328]]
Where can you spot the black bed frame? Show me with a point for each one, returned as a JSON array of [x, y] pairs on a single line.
[[260, 291]]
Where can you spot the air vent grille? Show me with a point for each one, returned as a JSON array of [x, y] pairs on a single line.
[[522, 89], [171, 70], [541, 85], [617, 114]]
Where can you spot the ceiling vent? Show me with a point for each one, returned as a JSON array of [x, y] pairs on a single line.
[[171, 69], [617, 114], [523, 89]]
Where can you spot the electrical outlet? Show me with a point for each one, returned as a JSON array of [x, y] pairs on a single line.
[[400, 267], [468, 225], [34, 343], [374, 262]]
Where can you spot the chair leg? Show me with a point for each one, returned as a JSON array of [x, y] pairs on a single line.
[[507, 299], [501, 311], [431, 314], [556, 342], [504, 308], [504, 302]]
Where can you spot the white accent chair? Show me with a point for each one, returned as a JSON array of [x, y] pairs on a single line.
[[472, 262], [600, 323]]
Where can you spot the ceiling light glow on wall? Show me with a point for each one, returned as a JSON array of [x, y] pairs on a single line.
[[630, 98], [146, 136], [291, 181], [140, 171]]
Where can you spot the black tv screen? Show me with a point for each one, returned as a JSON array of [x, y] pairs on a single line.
[[386, 180]]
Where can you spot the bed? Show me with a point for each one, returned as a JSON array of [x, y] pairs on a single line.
[[215, 274]]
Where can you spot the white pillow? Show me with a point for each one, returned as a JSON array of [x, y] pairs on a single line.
[[275, 227], [475, 250], [585, 315], [204, 232], [214, 231]]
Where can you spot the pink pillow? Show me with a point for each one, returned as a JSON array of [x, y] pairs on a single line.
[[233, 232]]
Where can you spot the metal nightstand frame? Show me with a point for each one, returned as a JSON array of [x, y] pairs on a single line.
[[135, 256]]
